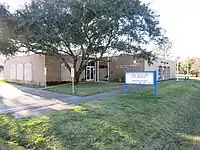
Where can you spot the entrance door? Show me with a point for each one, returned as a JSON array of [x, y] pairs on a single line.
[[90, 73]]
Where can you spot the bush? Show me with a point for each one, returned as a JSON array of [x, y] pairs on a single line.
[[51, 83], [117, 78]]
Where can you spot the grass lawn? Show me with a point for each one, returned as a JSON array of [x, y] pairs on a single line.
[[2, 80], [9, 146], [85, 89], [136, 121]]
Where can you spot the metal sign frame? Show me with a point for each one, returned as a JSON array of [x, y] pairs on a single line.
[[154, 80]]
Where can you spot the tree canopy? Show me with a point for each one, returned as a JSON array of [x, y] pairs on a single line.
[[85, 28], [193, 65], [7, 42]]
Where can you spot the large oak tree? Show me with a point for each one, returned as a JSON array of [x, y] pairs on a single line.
[[7, 38], [85, 28]]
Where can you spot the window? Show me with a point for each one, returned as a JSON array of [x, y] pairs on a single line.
[[164, 73], [102, 66], [13, 72], [160, 73], [1, 70], [28, 72], [168, 73], [20, 72]]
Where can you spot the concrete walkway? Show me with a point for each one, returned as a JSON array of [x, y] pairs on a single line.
[[25, 102], [47, 94]]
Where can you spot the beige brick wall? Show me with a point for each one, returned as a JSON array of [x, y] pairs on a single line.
[[54, 69], [38, 64], [117, 63], [160, 62]]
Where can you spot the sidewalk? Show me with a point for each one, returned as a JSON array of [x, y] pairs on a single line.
[[59, 102], [46, 94]]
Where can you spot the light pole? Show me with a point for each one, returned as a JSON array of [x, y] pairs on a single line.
[[177, 70]]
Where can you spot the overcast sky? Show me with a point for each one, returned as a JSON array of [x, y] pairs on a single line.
[[181, 19]]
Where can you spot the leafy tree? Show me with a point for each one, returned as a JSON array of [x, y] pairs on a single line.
[[7, 44], [195, 67], [191, 62], [182, 67], [85, 28], [192, 66], [163, 49]]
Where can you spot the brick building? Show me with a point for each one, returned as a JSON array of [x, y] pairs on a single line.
[[39, 69]]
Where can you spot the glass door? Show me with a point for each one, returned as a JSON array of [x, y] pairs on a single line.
[[90, 73]]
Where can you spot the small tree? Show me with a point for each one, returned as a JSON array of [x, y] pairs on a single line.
[[182, 67], [85, 28], [163, 49]]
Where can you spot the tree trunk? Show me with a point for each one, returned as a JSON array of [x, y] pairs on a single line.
[[78, 74], [77, 79], [77, 71]]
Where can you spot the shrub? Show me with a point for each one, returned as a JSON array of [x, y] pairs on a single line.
[[117, 78]]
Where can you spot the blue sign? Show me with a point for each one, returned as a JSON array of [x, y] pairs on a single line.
[[145, 78]]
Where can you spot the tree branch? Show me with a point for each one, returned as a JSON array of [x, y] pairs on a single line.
[[68, 46]]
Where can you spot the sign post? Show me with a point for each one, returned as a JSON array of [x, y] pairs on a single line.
[[146, 78], [155, 83], [72, 75]]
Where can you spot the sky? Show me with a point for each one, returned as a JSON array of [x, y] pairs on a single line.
[[181, 19]]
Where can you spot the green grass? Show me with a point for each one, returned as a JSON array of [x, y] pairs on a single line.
[[2, 80], [85, 89], [9, 146], [136, 121]]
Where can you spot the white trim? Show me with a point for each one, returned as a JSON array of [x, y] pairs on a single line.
[[90, 77]]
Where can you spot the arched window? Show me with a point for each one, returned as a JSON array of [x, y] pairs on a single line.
[[160, 73], [1, 70], [164, 73], [28, 72], [65, 74], [20, 72], [168, 73], [13, 72]]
